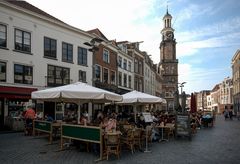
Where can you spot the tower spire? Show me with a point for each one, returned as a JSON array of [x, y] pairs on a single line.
[[167, 7]]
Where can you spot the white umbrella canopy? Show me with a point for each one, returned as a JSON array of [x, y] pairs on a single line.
[[75, 92], [135, 97]]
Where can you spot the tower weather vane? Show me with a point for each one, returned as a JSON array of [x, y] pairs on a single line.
[[167, 6]]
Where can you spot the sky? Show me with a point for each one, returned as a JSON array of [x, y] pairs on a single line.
[[207, 32]]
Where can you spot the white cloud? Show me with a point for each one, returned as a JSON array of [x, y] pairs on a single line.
[[121, 20], [219, 34], [192, 11], [198, 78], [134, 20]]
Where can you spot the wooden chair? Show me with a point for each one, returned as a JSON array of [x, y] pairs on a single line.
[[112, 143], [128, 139], [137, 132], [171, 129], [194, 128]]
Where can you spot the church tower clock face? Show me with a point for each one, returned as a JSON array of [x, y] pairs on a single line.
[[168, 35]]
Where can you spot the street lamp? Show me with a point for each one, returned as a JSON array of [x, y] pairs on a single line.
[[94, 43], [181, 85], [183, 97]]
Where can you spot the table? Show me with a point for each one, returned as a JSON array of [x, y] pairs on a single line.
[[113, 133], [162, 128]]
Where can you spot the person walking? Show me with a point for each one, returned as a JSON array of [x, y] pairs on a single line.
[[230, 113], [225, 113], [29, 117]]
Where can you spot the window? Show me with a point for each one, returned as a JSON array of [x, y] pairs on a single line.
[[140, 85], [106, 56], [120, 61], [82, 56], [23, 74], [125, 80], [3, 36], [58, 76], [113, 77], [50, 47], [124, 48], [140, 68], [67, 52], [136, 66], [125, 64], [167, 94], [3, 72], [136, 84], [130, 81], [129, 66], [98, 73], [105, 75], [120, 78], [82, 76], [22, 40]]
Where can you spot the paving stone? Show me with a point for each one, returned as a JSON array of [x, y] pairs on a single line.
[[219, 144]]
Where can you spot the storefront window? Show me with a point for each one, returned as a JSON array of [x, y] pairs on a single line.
[[16, 107]]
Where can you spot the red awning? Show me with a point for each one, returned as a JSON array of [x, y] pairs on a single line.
[[16, 92]]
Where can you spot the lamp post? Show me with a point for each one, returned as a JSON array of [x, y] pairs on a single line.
[[183, 96], [181, 85], [94, 43]]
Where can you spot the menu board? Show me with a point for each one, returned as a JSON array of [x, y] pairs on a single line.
[[147, 117], [183, 127]]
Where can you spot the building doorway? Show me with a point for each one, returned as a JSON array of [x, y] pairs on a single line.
[[49, 108]]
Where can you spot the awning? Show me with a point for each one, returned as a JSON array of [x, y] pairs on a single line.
[[16, 92]]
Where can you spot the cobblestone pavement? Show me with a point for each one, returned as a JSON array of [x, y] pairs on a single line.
[[217, 145]]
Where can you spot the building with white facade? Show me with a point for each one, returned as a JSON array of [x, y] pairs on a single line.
[[125, 69], [215, 98], [37, 51], [202, 100], [226, 93], [209, 102], [149, 75]]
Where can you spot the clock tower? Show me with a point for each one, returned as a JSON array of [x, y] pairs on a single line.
[[168, 63]]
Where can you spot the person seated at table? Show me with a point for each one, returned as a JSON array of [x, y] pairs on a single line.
[[100, 115], [111, 124], [83, 119], [155, 119], [119, 116], [39, 116], [49, 118], [142, 121], [131, 119]]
